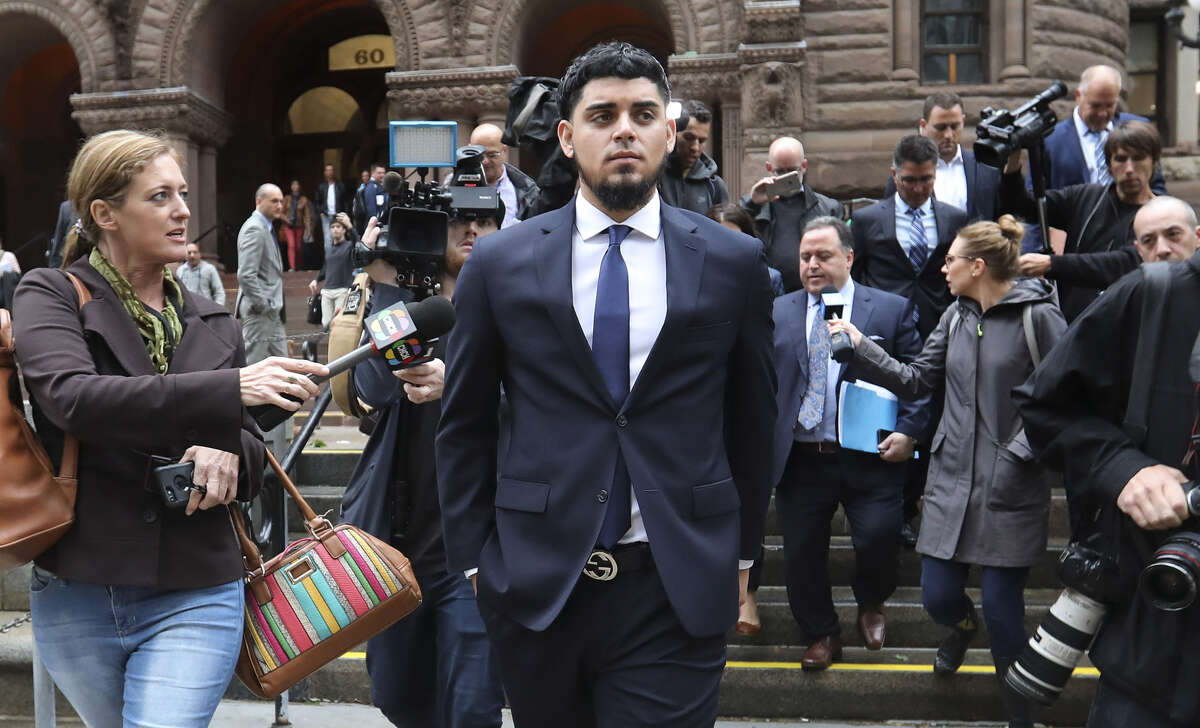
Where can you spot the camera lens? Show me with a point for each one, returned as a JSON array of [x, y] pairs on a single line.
[[1169, 581], [1047, 662]]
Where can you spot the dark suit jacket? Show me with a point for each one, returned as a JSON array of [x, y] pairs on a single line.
[[88, 373], [983, 184], [875, 313], [322, 197], [880, 262], [695, 431], [527, 191], [1067, 166]]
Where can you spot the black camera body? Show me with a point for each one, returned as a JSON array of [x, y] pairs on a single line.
[[1088, 568], [412, 235], [1002, 132]]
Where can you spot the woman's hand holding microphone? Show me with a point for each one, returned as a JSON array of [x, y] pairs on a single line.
[[847, 328]]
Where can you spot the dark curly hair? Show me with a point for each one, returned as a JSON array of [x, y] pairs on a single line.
[[609, 60]]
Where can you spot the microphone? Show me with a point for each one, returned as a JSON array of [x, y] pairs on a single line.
[[840, 350], [392, 182], [400, 334]]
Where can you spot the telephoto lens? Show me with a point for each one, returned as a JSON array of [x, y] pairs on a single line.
[[1169, 581], [1042, 670]]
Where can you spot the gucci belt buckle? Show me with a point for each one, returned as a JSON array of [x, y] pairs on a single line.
[[601, 566]]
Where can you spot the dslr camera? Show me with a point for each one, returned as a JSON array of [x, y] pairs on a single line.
[[1169, 581], [1092, 582], [412, 235], [1002, 132]]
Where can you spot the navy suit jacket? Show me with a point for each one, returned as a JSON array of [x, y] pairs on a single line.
[[885, 317], [880, 262], [983, 185], [695, 430], [1067, 166]]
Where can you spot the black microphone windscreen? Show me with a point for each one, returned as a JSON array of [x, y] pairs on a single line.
[[433, 317], [392, 182]]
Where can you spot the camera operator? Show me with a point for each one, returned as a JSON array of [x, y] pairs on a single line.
[[1098, 218], [435, 667], [1073, 407]]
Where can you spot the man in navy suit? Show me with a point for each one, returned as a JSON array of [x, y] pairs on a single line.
[[900, 242], [961, 181], [813, 472], [610, 535], [1076, 146]]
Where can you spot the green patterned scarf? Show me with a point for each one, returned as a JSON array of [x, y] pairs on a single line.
[[159, 345]]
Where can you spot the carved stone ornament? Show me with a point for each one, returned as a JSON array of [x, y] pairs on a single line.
[[175, 110], [449, 93]]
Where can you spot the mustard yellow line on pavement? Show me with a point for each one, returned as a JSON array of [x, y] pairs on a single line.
[[840, 666]]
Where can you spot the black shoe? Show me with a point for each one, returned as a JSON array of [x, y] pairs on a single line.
[[1016, 708], [953, 650], [908, 534]]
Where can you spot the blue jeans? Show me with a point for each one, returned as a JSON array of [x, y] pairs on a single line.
[[434, 668], [134, 656], [943, 590]]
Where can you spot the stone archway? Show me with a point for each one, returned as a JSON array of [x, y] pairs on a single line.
[[74, 19], [39, 70]]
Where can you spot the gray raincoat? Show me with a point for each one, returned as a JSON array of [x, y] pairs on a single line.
[[986, 500]]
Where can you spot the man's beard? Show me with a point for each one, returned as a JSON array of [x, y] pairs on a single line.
[[624, 196]]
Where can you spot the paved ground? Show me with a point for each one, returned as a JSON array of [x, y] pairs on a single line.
[[250, 714]]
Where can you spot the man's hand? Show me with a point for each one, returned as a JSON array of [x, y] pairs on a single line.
[[757, 194], [474, 586], [313, 287], [1014, 162], [743, 586], [380, 270], [423, 383], [1035, 265], [897, 447], [1153, 498]]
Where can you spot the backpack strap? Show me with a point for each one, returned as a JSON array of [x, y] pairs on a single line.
[[345, 334], [1035, 354], [1157, 286]]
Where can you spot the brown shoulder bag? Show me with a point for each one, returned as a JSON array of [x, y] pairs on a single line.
[[36, 506]]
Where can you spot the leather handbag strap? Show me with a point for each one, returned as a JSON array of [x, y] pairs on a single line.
[[69, 467], [318, 526]]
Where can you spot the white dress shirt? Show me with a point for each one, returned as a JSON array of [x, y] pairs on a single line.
[[331, 199], [950, 184], [646, 260], [1087, 144], [508, 193], [827, 430], [904, 224]]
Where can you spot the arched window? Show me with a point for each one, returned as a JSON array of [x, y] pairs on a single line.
[[322, 109]]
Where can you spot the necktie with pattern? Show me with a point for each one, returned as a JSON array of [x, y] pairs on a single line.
[[1101, 174], [919, 252], [812, 407]]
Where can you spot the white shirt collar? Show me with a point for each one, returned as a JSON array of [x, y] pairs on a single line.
[[902, 206], [1081, 128], [503, 176], [847, 292], [590, 220], [958, 160]]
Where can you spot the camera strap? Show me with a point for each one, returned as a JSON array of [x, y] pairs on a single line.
[[1157, 286]]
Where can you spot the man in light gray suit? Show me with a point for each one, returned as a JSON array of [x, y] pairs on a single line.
[[260, 278]]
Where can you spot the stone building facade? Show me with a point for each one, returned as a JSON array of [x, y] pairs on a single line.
[[223, 79]]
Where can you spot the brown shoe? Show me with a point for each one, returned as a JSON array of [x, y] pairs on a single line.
[[822, 653], [872, 626]]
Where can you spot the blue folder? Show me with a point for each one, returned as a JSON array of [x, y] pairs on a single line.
[[863, 410]]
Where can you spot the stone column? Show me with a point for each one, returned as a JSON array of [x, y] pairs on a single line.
[[1014, 40], [194, 126], [906, 24]]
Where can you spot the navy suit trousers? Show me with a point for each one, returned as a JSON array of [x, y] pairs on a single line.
[[615, 657], [871, 494]]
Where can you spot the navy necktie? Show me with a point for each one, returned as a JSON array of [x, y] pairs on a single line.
[[610, 347]]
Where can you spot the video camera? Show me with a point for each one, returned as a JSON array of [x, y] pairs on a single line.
[[412, 235], [1002, 132]]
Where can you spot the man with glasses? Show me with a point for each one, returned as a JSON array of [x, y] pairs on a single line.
[[518, 191], [901, 241], [780, 220]]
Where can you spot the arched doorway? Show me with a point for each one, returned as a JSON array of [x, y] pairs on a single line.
[[553, 32], [38, 137], [304, 82]]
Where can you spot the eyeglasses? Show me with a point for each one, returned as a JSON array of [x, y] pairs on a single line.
[[951, 258], [492, 155], [917, 180]]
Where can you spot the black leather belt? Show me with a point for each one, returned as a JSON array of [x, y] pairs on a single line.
[[818, 448], [605, 565]]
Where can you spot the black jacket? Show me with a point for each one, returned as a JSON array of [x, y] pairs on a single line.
[[880, 262], [785, 257], [339, 194], [698, 191], [1073, 407], [1097, 226], [527, 191]]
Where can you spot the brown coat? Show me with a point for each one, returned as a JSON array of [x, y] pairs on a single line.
[[303, 216], [88, 373]]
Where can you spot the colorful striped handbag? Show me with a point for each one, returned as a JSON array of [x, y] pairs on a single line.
[[324, 595]]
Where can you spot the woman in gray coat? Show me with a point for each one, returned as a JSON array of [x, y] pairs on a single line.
[[986, 503]]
